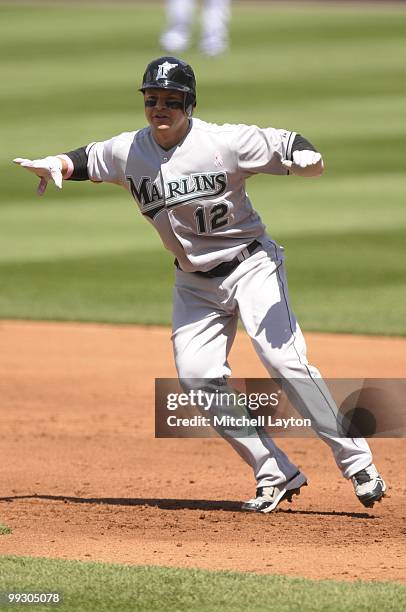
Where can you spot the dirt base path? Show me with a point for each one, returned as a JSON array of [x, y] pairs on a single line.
[[83, 477]]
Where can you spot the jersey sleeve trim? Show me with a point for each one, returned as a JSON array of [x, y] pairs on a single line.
[[79, 161], [301, 144]]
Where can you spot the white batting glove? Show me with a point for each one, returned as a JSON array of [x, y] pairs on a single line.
[[305, 163], [48, 169]]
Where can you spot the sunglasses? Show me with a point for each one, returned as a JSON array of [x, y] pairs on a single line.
[[172, 104]]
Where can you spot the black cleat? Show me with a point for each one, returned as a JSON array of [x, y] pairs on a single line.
[[369, 486], [268, 498]]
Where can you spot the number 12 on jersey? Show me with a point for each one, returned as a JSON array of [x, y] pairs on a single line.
[[211, 219]]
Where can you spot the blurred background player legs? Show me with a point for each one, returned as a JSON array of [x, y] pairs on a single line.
[[179, 24], [215, 20]]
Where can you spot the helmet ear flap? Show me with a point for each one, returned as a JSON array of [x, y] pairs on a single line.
[[190, 103]]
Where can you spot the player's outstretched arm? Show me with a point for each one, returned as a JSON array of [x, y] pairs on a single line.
[[305, 163], [51, 168]]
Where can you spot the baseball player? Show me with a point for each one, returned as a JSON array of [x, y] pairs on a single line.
[[215, 19], [188, 178]]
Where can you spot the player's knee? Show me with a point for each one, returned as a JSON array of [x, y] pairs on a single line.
[[285, 365], [187, 370], [192, 369]]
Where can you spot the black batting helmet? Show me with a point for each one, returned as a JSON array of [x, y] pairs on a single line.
[[171, 73]]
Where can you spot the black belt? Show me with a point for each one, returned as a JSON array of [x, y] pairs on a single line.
[[225, 268]]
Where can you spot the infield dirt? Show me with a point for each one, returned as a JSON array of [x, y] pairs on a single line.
[[82, 476]]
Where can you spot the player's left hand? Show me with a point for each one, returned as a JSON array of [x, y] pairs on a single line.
[[48, 169], [305, 163]]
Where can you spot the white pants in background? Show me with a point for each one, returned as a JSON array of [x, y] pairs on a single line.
[[215, 20]]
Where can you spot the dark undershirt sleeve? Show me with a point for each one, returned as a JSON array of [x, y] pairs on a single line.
[[79, 159], [301, 144]]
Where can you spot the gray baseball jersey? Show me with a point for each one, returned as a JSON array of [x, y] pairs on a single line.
[[194, 194]]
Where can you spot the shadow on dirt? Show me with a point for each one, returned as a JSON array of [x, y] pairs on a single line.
[[178, 504]]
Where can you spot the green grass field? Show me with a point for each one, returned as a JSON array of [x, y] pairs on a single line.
[[102, 587], [70, 76]]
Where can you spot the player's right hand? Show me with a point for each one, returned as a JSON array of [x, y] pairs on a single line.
[[305, 163], [48, 169]]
